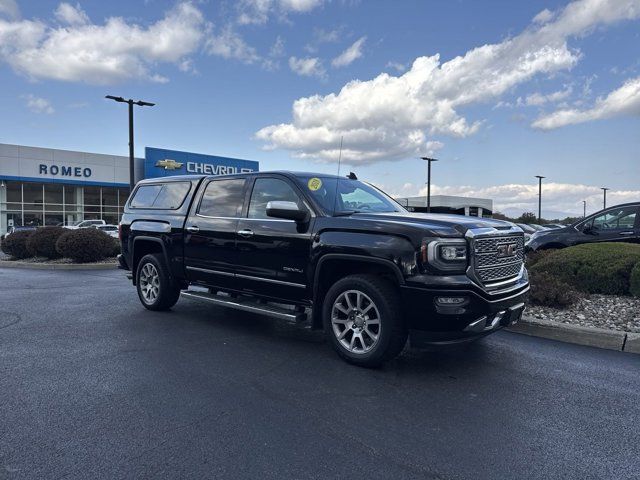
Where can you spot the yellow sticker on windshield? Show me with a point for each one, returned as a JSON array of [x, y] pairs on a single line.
[[314, 184]]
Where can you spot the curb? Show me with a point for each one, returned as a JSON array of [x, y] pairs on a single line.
[[590, 336], [58, 266]]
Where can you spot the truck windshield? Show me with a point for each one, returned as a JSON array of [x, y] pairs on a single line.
[[353, 196]]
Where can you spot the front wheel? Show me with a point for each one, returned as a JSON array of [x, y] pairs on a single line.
[[156, 289], [363, 320]]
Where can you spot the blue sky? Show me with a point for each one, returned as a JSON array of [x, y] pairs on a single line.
[[500, 91]]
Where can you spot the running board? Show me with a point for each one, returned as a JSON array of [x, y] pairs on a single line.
[[247, 305]]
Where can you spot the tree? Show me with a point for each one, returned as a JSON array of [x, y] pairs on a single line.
[[527, 217]]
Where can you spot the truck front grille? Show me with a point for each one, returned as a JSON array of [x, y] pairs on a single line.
[[497, 259]]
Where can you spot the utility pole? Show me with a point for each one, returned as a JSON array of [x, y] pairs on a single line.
[[131, 103], [604, 189], [584, 205], [429, 161], [540, 177]]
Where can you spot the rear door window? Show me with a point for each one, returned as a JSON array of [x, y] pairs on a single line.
[[222, 198]]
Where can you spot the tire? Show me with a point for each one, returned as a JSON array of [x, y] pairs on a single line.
[[363, 321], [156, 290]]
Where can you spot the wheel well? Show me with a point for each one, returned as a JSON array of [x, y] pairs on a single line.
[[142, 248], [333, 270]]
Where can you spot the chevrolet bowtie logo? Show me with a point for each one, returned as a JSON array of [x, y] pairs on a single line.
[[169, 164]]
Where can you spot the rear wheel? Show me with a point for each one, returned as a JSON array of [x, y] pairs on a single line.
[[363, 320], [156, 289]]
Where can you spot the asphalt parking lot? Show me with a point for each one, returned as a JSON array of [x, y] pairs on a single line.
[[94, 386]]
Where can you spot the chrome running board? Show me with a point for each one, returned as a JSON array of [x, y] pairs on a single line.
[[247, 304]]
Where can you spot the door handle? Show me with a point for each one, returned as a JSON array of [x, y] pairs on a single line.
[[246, 233], [626, 233], [193, 229]]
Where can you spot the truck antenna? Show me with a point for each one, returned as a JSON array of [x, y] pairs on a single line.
[[335, 198]]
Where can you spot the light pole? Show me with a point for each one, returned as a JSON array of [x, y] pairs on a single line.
[[584, 205], [540, 177], [604, 189], [429, 161], [131, 103]]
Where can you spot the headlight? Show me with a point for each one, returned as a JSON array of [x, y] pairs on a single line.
[[452, 253], [447, 255]]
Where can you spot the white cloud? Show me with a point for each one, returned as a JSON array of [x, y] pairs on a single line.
[[397, 66], [9, 8], [538, 99], [433, 146], [519, 198], [389, 117], [544, 16], [255, 12], [622, 101], [101, 54], [321, 35], [67, 13], [350, 55], [38, 104], [229, 44], [307, 67]]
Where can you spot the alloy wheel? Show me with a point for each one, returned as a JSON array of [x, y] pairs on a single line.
[[355, 321], [149, 283]]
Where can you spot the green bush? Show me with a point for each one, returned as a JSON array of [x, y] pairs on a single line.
[[15, 245], [634, 281], [548, 291], [85, 245], [42, 243], [534, 257], [594, 268], [116, 247]]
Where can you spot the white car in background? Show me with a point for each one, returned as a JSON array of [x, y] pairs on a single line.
[[85, 224], [111, 230]]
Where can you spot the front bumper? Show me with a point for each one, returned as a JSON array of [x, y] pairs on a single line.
[[479, 328], [482, 313]]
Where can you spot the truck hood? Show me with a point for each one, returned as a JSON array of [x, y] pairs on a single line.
[[438, 223]]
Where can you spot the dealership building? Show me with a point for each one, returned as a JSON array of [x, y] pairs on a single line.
[[475, 207], [46, 186]]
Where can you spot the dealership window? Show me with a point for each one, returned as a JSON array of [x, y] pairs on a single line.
[[37, 204]]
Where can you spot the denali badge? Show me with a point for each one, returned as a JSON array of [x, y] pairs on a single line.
[[507, 250]]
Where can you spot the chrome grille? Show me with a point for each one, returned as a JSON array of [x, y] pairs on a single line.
[[489, 265]]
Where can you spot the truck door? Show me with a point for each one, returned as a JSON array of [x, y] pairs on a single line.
[[273, 254], [210, 254]]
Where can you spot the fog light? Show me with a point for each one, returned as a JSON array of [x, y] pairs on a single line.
[[450, 301]]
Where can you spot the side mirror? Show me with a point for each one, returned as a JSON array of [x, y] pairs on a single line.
[[287, 211], [587, 229]]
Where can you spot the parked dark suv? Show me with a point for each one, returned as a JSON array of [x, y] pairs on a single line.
[[615, 224], [335, 251]]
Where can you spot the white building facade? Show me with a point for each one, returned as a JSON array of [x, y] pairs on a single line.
[[475, 207], [45, 186]]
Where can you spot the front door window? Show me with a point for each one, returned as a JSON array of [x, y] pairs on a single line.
[[268, 190], [622, 218]]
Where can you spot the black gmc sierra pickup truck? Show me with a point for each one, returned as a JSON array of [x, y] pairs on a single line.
[[332, 250]]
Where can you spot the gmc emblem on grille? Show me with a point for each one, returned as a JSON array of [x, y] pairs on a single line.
[[507, 250]]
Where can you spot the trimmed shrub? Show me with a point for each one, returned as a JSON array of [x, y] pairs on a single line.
[[634, 281], [594, 268], [116, 250], [85, 245], [42, 243], [548, 291], [15, 245], [534, 257]]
